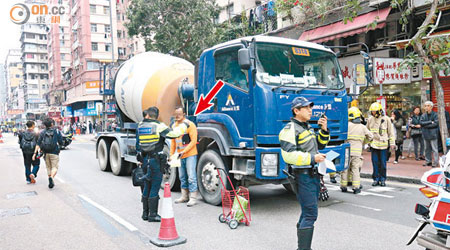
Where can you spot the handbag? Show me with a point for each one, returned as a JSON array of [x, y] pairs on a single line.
[[136, 175]]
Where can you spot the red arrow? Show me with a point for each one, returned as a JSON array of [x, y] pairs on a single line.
[[205, 102]]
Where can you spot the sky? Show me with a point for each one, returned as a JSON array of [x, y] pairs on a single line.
[[10, 32]]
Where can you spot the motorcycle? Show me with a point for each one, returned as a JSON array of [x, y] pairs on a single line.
[[437, 213], [66, 138]]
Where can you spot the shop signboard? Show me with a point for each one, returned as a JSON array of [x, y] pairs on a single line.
[[66, 111], [92, 87], [90, 110], [386, 71], [36, 100], [15, 111], [427, 72]]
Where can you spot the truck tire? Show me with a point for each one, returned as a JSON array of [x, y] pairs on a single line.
[[103, 155], [208, 181], [172, 178], [118, 165]]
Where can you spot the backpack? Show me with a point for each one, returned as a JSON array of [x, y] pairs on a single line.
[[49, 141], [28, 143]]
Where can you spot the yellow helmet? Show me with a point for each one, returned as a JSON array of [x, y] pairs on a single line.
[[354, 113], [376, 106]]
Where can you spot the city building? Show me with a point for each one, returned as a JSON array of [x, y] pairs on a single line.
[[33, 39], [14, 84]]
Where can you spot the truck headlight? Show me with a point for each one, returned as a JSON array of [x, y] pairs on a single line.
[[269, 166], [347, 158]]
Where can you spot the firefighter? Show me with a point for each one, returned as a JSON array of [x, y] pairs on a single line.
[[150, 137], [381, 127], [299, 149], [357, 133]]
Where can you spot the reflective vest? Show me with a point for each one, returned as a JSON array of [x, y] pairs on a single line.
[[357, 133], [151, 135], [299, 143], [183, 141], [382, 130]]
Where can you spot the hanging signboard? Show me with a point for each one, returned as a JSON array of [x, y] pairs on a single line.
[[386, 71]]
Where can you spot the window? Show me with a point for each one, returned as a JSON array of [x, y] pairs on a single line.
[[122, 52], [230, 10], [17, 76], [93, 9], [118, 15], [107, 28], [28, 35], [119, 34], [62, 56], [44, 67], [42, 77], [106, 10], [61, 43], [32, 76], [93, 27], [107, 47], [94, 46], [93, 65], [61, 29], [227, 69]]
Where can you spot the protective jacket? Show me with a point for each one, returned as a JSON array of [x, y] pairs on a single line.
[[150, 135], [187, 143], [382, 130], [299, 143], [357, 133]]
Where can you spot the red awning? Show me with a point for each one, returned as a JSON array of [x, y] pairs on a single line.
[[339, 29]]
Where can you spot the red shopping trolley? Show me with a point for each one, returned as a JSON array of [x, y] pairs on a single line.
[[235, 204]]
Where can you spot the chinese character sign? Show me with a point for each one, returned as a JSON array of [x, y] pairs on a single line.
[[386, 71]]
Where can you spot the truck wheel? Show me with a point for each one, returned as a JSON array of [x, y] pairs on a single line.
[[118, 165], [172, 177], [103, 155], [208, 181]]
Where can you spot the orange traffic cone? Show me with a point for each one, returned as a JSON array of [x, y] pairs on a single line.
[[1, 138], [168, 235]]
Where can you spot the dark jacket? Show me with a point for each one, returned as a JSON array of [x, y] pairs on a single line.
[[415, 120], [58, 139], [430, 126], [22, 134], [398, 128]]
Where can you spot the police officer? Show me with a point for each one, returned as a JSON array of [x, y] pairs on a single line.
[[150, 137], [383, 134], [357, 134], [299, 149]]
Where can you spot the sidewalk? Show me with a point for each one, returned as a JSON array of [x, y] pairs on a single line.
[[84, 138], [407, 170]]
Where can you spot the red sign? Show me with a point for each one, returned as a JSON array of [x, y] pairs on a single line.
[[54, 114], [442, 212]]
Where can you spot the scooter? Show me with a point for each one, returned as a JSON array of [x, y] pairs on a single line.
[[66, 138], [437, 213]]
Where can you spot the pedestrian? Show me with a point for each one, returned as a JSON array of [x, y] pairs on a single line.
[[186, 147], [94, 126], [27, 141], [150, 137], [398, 121], [299, 149], [48, 142], [410, 148], [357, 134], [383, 137], [90, 127], [416, 134], [430, 130]]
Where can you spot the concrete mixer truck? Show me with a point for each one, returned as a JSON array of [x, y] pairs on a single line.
[[239, 125]]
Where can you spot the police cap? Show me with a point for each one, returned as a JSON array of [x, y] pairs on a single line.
[[301, 101]]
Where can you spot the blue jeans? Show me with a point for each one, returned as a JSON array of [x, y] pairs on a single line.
[[379, 157], [28, 162], [188, 174], [153, 183], [308, 197]]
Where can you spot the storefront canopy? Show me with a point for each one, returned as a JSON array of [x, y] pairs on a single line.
[[340, 29], [84, 98]]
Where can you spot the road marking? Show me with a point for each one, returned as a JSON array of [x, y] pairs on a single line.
[[361, 206], [114, 216], [364, 193], [381, 189], [59, 179]]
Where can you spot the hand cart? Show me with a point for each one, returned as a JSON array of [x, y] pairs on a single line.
[[231, 213]]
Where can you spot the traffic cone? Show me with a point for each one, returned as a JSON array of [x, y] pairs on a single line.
[[168, 235], [1, 138]]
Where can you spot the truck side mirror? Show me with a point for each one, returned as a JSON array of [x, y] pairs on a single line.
[[244, 58]]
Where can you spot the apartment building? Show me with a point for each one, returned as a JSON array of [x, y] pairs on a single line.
[[14, 85], [59, 56], [33, 39]]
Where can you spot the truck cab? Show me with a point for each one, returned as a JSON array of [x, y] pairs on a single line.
[[262, 75]]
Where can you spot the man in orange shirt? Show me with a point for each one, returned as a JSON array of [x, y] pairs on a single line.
[[186, 146]]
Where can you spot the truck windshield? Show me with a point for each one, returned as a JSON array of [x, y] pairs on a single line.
[[280, 64]]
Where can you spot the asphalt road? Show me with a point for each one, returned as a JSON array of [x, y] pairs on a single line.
[[91, 209]]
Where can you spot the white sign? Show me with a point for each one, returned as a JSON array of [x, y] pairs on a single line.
[[386, 71]]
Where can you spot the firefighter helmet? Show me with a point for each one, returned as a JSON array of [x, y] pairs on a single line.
[[354, 113], [376, 106]]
